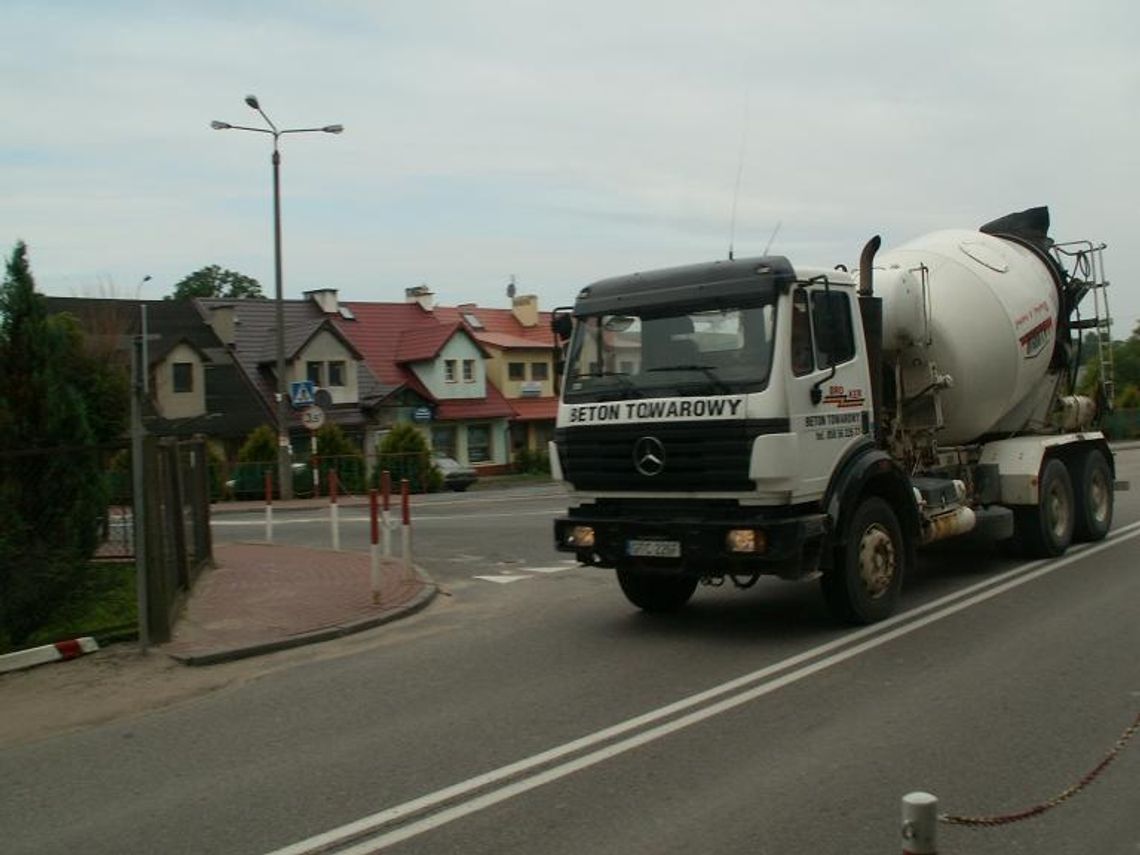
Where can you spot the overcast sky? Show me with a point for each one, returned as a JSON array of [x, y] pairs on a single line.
[[559, 142]]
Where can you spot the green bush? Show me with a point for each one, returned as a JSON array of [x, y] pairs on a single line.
[[336, 451], [256, 457], [404, 453], [532, 462]]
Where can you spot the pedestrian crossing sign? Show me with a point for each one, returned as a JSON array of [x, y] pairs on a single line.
[[301, 394]]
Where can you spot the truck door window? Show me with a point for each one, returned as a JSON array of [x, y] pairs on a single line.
[[802, 361], [831, 326]]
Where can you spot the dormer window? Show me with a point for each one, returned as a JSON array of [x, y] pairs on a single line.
[[336, 372], [182, 377]]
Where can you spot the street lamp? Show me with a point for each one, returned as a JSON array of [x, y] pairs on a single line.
[[284, 472]]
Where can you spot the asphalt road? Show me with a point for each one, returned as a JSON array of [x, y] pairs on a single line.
[[533, 710]]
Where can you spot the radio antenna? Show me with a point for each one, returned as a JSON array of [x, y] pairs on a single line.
[[739, 174], [775, 232]]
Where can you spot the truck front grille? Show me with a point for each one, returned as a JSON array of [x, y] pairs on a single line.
[[697, 456]]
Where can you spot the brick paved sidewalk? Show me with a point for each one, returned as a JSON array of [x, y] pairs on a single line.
[[263, 597]]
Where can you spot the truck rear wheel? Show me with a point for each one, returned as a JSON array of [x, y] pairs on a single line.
[[1092, 486], [1045, 530], [864, 582], [653, 592]]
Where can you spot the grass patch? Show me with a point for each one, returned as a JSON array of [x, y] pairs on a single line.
[[103, 605]]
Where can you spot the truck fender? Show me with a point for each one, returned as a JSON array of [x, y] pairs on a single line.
[[868, 470]]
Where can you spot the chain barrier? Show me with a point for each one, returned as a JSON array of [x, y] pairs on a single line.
[[1037, 810]]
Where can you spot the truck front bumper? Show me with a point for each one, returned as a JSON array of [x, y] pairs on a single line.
[[745, 544]]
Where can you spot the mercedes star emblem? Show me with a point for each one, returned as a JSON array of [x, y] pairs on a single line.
[[649, 456]]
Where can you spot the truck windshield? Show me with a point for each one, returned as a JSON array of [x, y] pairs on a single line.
[[673, 352]]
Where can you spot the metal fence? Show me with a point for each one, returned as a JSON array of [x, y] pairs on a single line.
[[247, 480], [176, 516], [67, 510]]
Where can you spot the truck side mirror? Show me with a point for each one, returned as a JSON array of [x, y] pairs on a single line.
[[562, 324]]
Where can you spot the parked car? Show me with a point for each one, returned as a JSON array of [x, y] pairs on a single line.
[[456, 476]]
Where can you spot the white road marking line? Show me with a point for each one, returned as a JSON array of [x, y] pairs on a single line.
[[875, 636], [558, 569]]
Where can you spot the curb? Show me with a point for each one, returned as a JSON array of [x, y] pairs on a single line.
[[61, 650], [215, 657]]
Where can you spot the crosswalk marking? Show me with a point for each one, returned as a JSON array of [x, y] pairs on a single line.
[[502, 580], [524, 573]]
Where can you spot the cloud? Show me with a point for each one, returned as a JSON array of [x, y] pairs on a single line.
[[560, 142]]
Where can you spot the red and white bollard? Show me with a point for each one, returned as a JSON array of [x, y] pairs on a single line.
[[919, 824], [334, 510], [268, 507]]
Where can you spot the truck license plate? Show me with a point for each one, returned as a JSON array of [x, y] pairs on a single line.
[[653, 548]]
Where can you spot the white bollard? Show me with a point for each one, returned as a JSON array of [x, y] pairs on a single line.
[[406, 531], [386, 495], [268, 508], [375, 545], [334, 510], [919, 824]]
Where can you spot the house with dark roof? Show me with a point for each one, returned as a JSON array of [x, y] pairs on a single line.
[[194, 385], [316, 349], [476, 381]]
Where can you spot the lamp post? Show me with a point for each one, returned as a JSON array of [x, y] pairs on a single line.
[[284, 474]]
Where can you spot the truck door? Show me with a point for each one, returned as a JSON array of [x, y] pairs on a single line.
[[828, 388]]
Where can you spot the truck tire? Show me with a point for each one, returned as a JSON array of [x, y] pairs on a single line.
[[652, 592], [864, 582], [1092, 486], [1045, 530]]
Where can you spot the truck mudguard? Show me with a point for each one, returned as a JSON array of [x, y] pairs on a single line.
[[868, 470]]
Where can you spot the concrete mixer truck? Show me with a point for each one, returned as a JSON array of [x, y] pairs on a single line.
[[749, 417]]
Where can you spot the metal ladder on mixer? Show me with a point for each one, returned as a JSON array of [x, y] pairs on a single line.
[[1084, 262]]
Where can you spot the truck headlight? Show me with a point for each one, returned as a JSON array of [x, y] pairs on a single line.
[[581, 536], [746, 540]]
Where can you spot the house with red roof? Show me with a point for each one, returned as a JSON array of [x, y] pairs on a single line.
[[520, 365], [476, 381]]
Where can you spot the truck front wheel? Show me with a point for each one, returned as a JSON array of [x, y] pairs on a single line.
[[864, 582], [652, 592]]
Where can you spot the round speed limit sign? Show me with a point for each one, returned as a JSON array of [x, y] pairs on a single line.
[[312, 417]]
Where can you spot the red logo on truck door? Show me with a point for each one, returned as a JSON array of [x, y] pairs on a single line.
[[837, 396]]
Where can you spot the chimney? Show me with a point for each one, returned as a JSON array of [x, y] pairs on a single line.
[[525, 310], [419, 294], [223, 319], [325, 298]]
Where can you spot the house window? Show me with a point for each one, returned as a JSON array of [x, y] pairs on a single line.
[[468, 370], [443, 440], [479, 443], [336, 373], [539, 370], [183, 377], [516, 370], [449, 370], [313, 373]]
